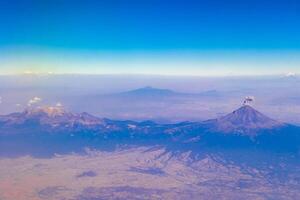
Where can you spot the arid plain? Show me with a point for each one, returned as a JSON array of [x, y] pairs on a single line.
[[138, 173]]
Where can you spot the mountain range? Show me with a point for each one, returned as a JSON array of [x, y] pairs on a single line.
[[243, 128], [244, 121]]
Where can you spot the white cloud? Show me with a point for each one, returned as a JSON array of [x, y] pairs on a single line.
[[34, 100], [58, 104], [291, 74]]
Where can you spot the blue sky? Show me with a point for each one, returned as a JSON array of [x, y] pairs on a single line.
[[151, 36]]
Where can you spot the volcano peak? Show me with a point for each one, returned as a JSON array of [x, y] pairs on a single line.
[[246, 119]]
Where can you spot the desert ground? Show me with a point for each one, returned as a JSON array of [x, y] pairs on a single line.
[[137, 173]]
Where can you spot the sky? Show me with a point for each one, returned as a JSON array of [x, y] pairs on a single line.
[[214, 38]]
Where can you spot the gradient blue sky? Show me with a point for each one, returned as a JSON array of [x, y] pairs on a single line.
[[212, 37]]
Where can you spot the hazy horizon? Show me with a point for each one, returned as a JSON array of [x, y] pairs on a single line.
[[100, 95]]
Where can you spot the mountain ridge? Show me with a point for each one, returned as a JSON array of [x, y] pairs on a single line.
[[67, 132], [245, 120]]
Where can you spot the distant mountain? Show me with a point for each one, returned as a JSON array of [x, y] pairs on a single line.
[[245, 120], [150, 91], [209, 93]]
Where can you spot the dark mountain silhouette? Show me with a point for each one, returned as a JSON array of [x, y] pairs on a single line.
[[150, 91]]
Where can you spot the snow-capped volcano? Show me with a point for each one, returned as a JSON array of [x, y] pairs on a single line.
[[50, 111], [50, 116], [245, 120]]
